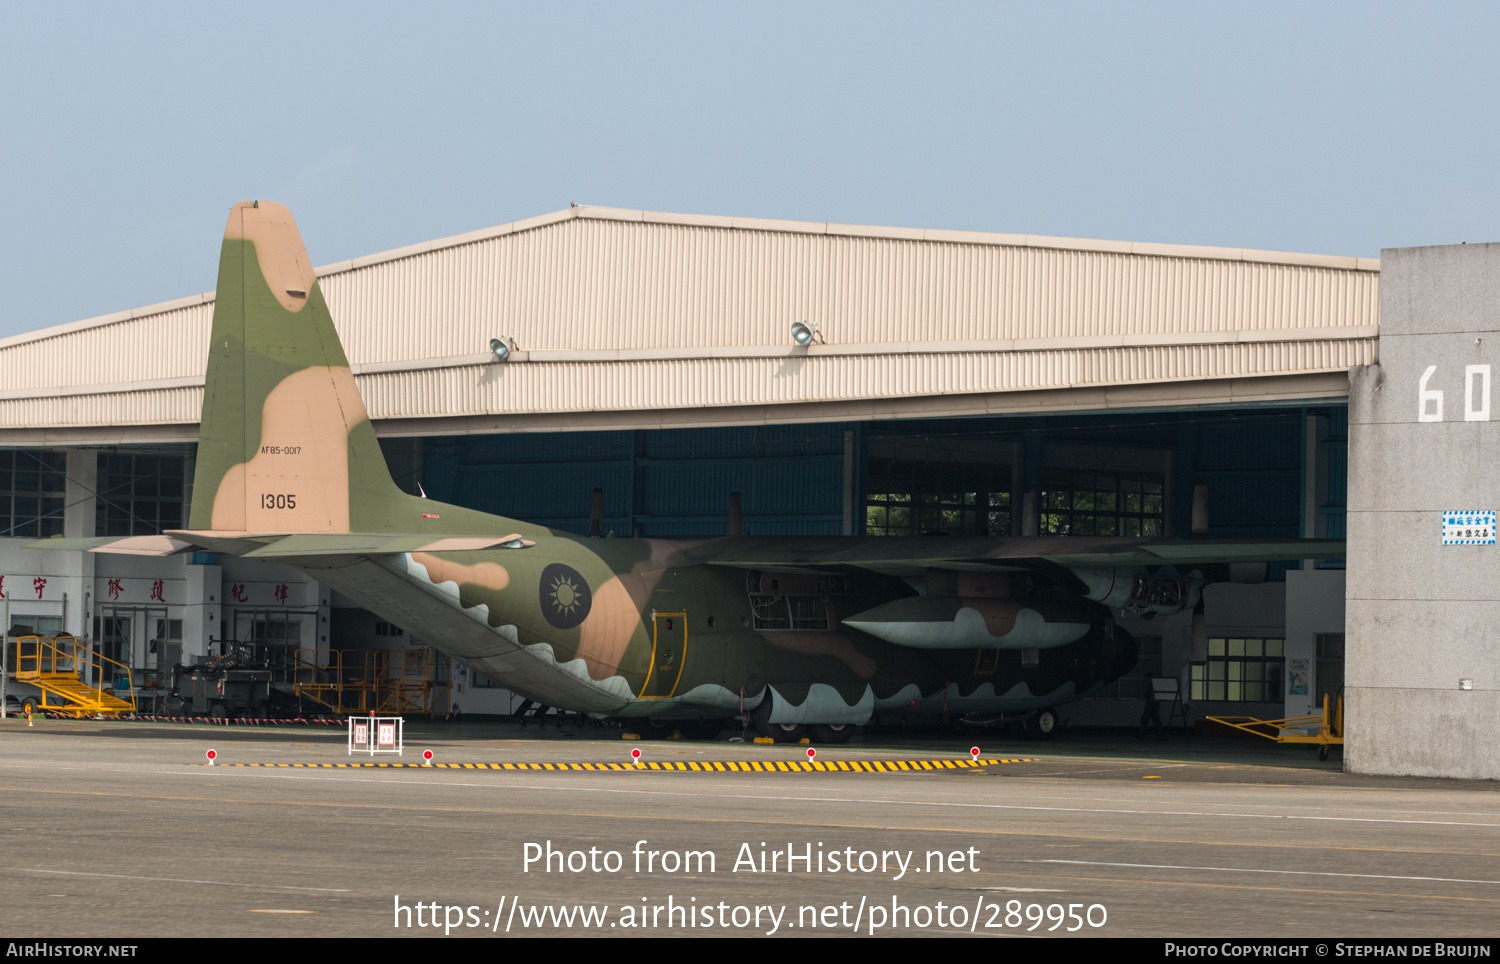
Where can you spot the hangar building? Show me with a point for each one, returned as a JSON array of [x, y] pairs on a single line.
[[955, 383]]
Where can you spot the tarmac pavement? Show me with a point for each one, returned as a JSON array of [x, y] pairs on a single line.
[[117, 829]]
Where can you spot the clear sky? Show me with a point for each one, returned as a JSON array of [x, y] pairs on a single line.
[[128, 130]]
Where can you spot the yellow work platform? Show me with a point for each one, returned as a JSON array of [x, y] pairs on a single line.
[[363, 681], [61, 669]]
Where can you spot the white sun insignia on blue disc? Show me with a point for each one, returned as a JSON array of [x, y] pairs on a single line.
[[565, 596]]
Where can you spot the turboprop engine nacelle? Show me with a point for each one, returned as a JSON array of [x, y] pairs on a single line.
[[928, 622], [1162, 593]]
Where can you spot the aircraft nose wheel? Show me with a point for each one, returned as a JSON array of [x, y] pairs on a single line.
[[1043, 725]]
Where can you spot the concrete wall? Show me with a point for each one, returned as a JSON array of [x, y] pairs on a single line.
[[1421, 615]]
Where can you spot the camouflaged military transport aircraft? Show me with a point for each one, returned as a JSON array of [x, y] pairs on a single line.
[[803, 632]]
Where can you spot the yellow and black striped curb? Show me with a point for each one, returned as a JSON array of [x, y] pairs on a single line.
[[728, 766]]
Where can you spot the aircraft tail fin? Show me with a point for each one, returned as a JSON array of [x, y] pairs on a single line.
[[285, 443]]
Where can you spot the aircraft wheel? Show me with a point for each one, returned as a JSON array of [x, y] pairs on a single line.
[[704, 729], [779, 732], [656, 729], [833, 733], [218, 712], [788, 732], [1043, 725]]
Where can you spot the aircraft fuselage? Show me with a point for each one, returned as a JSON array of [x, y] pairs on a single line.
[[637, 628]]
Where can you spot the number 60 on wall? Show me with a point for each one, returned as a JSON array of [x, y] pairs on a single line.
[[1430, 400]]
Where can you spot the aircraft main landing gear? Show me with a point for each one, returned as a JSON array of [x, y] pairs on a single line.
[[833, 733], [779, 732]]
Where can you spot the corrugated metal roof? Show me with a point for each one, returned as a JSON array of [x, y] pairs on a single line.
[[635, 311]]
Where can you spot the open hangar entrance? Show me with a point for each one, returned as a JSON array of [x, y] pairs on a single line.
[[1266, 640], [840, 378]]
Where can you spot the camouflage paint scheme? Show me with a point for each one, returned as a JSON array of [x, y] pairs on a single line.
[[289, 469]]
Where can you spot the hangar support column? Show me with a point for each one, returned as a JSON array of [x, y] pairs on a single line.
[[78, 523], [1028, 507], [1422, 669]]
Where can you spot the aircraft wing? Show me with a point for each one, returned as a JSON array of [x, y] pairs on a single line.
[[911, 557], [891, 556]]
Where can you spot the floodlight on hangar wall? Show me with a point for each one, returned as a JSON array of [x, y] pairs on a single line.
[[804, 336], [502, 347]]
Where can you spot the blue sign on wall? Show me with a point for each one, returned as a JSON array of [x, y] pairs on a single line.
[[1469, 528]]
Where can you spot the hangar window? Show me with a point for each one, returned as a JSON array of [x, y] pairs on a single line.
[[139, 495], [906, 498], [1240, 671], [31, 493], [1090, 503]]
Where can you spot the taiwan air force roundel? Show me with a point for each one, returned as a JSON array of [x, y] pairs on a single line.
[[564, 595]]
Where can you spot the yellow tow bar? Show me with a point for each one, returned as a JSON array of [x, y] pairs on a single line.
[[1330, 725]]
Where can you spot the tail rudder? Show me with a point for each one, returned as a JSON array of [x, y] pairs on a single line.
[[285, 443]]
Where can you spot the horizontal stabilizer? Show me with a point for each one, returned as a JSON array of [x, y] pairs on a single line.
[[357, 544], [272, 545], [118, 545]]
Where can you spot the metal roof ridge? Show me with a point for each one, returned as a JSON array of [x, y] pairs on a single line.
[[337, 267], [99, 321], [943, 235], [832, 229]]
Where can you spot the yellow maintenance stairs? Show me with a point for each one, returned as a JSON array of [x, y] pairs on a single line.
[[60, 668]]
